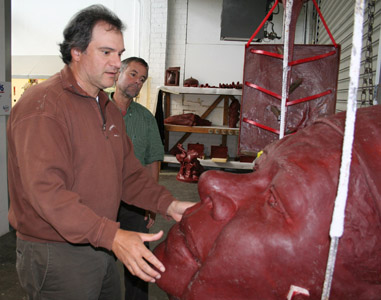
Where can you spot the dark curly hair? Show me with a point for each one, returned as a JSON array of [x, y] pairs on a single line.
[[78, 32]]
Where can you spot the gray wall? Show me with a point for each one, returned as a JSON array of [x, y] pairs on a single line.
[[5, 76]]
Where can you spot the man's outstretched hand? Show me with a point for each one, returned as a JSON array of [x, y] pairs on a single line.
[[129, 248]]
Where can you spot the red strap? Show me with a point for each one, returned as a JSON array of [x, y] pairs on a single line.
[[308, 98], [263, 22], [246, 120], [262, 52], [254, 86], [288, 103], [325, 24], [312, 58], [295, 62]]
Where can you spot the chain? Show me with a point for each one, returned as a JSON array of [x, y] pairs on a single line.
[[367, 84], [317, 26]]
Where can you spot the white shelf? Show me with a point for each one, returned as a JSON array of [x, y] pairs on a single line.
[[199, 90], [223, 95], [230, 164]]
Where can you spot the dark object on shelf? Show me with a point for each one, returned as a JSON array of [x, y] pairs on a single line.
[[206, 85], [172, 76], [190, 167], [191, 82], [232, 85], [246, 158], [223, 85], [199, 148], [219, 153], [234, 113], [189, 119]]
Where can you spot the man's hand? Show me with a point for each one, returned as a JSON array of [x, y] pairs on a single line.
[[150, 216], [129, 249], [177, 208]]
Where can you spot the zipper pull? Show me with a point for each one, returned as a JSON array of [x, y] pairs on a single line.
[[104, 127]]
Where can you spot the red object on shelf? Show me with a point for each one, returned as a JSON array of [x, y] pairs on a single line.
[[190, 167], [189, 119], [219, 152], [190, 82], [172, 76], [246, 158], [199, 148]]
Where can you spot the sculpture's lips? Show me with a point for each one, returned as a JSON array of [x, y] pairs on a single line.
[[177, 257]]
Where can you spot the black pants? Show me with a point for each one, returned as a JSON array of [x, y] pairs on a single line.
[[132, 218], [66, 272]]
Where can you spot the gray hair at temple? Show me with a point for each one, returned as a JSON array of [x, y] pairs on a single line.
[[127, 61], [78, 32]]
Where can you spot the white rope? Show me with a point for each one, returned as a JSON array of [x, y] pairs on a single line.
[[286, 68], [337, 225]]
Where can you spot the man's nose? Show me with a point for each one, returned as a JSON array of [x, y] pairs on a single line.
[[116, 61]]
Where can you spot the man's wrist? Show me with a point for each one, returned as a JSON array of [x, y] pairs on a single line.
[[171, 208]]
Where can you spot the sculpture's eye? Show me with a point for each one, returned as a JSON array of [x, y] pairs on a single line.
[[275, 202], [272, 201]]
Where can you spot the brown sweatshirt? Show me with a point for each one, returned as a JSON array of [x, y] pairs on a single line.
[[70, 163]]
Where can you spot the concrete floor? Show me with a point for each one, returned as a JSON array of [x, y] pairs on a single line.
[[9, 285]]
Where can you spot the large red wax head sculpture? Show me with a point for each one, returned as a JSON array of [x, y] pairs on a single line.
[[255, 235]]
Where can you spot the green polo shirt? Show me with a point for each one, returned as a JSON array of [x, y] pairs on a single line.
[[142, 129]]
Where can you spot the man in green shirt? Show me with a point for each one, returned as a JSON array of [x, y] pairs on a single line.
[[148, 148]]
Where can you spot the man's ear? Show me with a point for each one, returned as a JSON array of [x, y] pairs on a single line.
[[75, 54]]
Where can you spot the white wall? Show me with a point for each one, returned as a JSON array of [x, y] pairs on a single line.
[[209, 59], [157, 46], [215, 61], [177, 34], [37, 26]]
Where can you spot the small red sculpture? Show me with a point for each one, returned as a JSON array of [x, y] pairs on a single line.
[[264, 234], [190, 167], [199, 148]]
